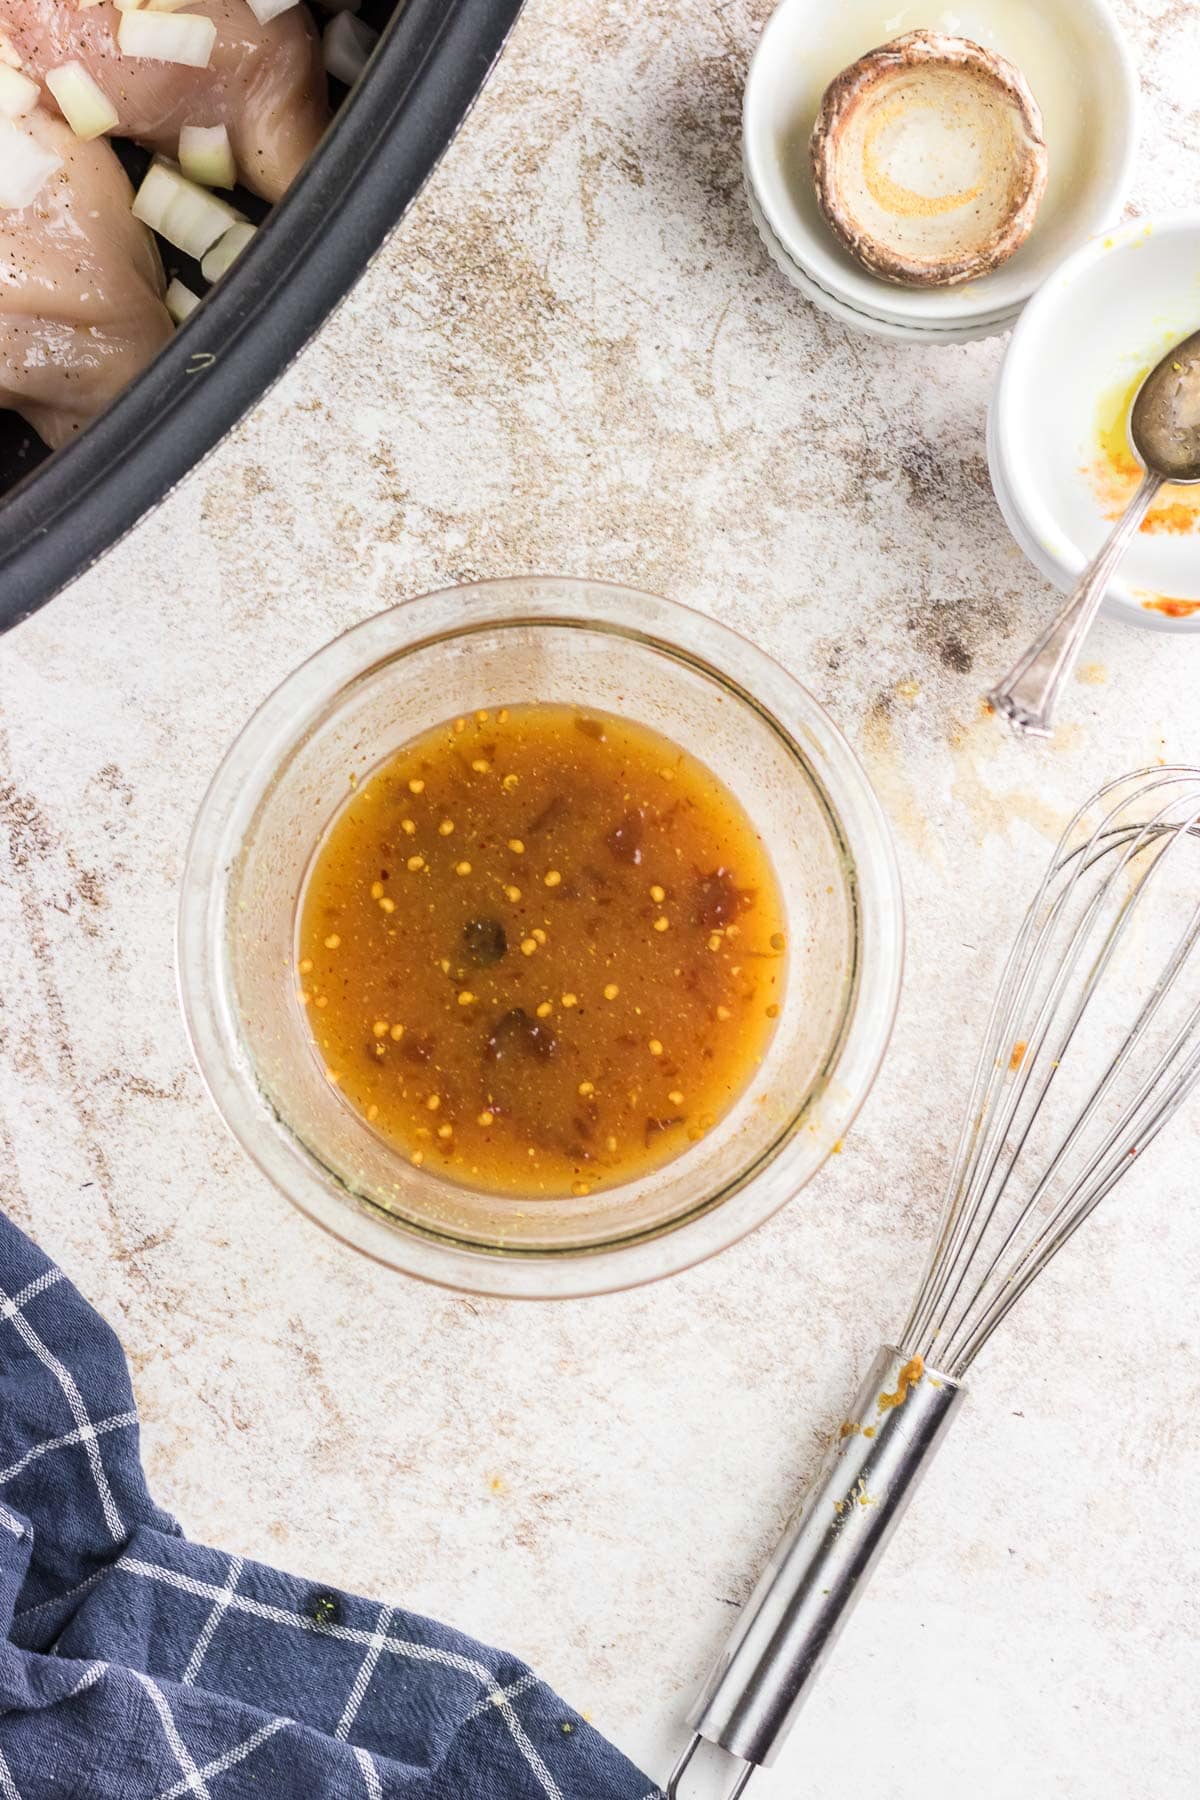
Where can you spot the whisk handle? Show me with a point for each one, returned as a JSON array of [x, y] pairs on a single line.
[[831, 1544]]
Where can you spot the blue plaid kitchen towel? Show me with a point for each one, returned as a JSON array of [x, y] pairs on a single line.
[[138, 1666]]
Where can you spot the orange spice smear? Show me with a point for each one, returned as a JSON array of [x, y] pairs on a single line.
[[908, 1377], [1170, 607]]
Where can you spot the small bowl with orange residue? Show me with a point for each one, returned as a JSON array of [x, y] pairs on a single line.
[[1073, 68], [1062, 464]]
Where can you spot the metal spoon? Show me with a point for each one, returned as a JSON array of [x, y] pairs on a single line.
[[1165, 428]]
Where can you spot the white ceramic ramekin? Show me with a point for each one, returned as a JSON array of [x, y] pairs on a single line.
[[1075, 59], [1081, 345]]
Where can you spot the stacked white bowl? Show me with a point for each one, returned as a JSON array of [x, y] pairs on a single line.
[[1074, 58], [1061, 461]]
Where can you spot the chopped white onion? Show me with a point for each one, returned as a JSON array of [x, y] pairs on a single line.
[[266, 10], [205, 155], [127, 5], [186, 215], [168, 37], [17, 93], [8, 56], [24, 166], [180, 301], [346, 45], [227, 249], [85, 106]]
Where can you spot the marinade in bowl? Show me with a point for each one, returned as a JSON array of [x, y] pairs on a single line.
[[541, 950], [825, 890]]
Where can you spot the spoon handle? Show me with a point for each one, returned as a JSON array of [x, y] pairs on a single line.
[[1028, 694]]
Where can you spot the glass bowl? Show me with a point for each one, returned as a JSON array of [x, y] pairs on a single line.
[[590, 644]]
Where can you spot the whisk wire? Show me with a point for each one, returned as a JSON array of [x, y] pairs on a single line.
[[1154, 1000], [1005, 1099], [1121, 1145], [1048, 1244], [1000, 1225], [1107, 1164], [987, 1089], [974, 1171]]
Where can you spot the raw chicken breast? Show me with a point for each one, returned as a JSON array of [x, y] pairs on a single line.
[[81, 286], [264, 83]]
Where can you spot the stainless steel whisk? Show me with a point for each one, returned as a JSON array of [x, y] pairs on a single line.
[[1092, 1043]]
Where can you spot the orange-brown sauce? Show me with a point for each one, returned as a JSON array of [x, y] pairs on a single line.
[[540, 950]]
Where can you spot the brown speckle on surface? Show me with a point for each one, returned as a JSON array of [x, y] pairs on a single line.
[[955, 655]]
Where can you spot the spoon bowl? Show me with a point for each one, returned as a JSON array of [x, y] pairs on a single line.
[[1164, 423]]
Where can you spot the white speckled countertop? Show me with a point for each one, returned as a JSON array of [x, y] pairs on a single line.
[[574, 356]]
